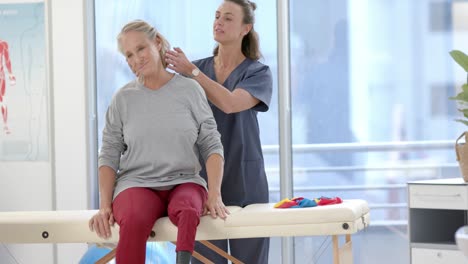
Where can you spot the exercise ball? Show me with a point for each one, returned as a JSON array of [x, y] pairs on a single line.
[[156, 253]]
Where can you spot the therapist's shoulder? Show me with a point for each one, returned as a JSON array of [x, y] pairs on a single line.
[[202, 63], [258, 68]]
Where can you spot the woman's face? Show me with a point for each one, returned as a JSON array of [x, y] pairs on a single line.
[[228, 25], [142, 54]]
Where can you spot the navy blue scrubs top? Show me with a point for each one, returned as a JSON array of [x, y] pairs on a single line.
[[244, 180]]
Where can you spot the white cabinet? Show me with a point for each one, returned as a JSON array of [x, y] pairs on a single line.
[[436, 256], [437, 208]]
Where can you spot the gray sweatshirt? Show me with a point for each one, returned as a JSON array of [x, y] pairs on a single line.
[[153, 138]]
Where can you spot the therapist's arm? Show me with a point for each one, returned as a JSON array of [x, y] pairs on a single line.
[[227, 101]]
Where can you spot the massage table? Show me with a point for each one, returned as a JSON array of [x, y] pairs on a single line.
[[256, 220]]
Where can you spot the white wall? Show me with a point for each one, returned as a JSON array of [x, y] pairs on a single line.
[[69, 112], [62, 183]]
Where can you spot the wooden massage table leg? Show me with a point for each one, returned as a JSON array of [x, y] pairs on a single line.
[[199, 256], [221, 252], [111, 255], [343, 255], [108, 257]]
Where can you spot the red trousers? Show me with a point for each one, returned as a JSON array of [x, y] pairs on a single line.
[[137, 209]]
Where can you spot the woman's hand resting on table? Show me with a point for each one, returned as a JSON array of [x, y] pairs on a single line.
[[215, 207], [101, 223]]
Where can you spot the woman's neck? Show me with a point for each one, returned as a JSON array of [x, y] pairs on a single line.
[[157, 80], [229, 57]]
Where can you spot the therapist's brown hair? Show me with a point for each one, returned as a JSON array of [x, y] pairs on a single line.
[[250, 44]]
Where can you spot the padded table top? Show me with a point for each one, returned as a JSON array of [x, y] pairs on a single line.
[[256, 220]]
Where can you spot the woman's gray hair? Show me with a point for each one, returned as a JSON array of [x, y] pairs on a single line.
[[150, 32]]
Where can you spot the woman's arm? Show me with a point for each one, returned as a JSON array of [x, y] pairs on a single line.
[[229, 102], [104, 219], [214, 170], [109, 159], [211, 150], [106, 186]]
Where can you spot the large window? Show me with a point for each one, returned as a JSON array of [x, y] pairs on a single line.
[[369, 88]]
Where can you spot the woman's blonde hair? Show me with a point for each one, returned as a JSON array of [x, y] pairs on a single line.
[[150, 32]]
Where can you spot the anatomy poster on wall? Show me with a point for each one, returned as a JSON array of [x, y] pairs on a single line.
[[24, 93]]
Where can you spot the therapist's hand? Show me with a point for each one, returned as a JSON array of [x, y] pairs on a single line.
[[214, 206], [178, 62], [101, 223]]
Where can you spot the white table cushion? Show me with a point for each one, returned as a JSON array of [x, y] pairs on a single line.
[[257, 220]]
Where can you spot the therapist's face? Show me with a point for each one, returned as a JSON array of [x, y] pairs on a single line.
[[228, 25]]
